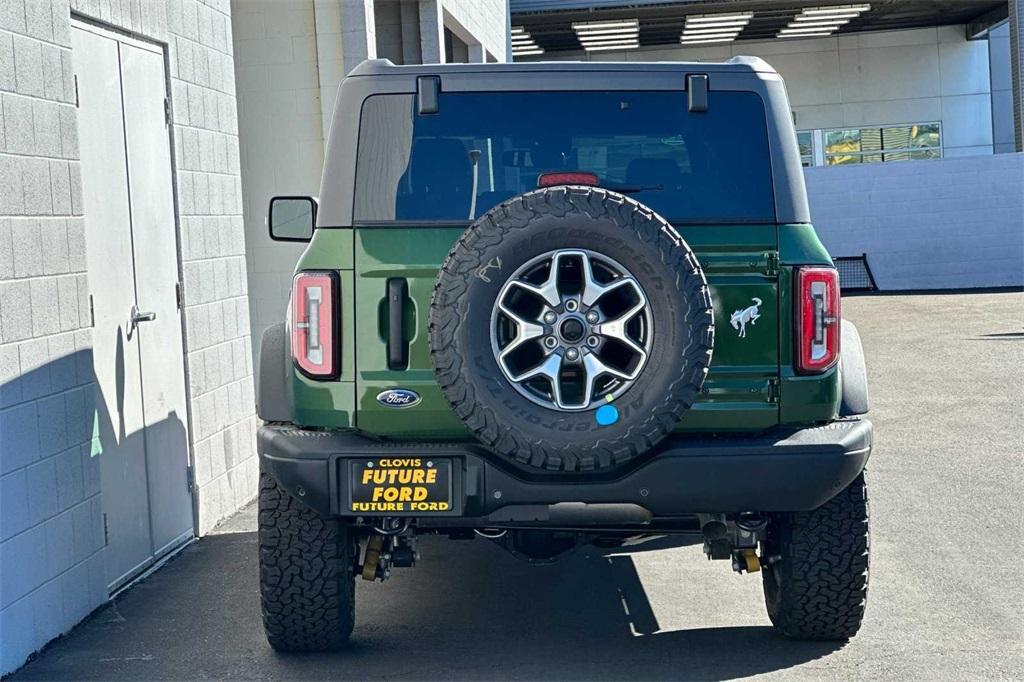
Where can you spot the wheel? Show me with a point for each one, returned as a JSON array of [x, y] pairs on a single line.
[[570, 328], [307, 588], [816, 581]]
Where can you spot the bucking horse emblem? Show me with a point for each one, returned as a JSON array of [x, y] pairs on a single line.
[[740, 318]]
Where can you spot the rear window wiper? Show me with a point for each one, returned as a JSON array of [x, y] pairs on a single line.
[[632, 189]]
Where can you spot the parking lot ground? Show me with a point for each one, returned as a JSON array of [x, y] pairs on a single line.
[[946, 596]]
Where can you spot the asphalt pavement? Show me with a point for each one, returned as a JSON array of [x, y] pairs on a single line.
[[946, 601]]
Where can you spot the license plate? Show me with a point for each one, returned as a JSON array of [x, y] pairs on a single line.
[[400, 485]]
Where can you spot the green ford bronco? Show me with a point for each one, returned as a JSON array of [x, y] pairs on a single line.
[[553, 304]]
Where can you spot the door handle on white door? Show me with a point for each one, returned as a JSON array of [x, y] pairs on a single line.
[[139, 316]]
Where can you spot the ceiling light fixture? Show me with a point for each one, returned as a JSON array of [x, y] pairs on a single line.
[[837, 9], [716, 18], [523, 44], [801, 31], [616, 41], [583, 26], [616, 34], [714, 28], [810, 24], [813, 22], [702, 41]]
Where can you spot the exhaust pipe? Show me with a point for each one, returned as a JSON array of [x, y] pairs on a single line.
[[712, 526]]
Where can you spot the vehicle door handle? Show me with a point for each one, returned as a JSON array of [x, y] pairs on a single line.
[[398, 349], [139, 316]]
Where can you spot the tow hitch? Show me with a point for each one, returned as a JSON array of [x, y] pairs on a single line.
[[389, 546], [735, 539]]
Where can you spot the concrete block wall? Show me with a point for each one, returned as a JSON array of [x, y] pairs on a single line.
[[206, 157], [485, 20], [940, 224], [51, 530], [282, 132], [290, 57], [51, 534], [867, 79]]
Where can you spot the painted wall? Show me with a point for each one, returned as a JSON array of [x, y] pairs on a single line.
[[282, 137], [51, 532], [942, 224], [484, 20], [891, 77], [1002, 88]]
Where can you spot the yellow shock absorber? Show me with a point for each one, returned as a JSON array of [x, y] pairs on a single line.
[[753, 564], [372, 557]]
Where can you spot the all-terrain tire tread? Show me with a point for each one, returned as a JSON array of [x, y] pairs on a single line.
[[822, 579], [307, 589]]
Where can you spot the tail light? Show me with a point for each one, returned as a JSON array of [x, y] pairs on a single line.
[[567, 178], [315, 323], [817, 319]]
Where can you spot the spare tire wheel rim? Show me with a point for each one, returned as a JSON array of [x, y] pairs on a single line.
[[571, 329]]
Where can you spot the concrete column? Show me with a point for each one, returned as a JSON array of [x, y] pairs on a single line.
[[1017, 69], [477, 54], [431, 32], [345, 36], [358, 32], [410, 11], [508, 33]]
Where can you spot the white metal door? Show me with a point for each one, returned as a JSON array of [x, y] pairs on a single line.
[[131, 254], [156, 285]]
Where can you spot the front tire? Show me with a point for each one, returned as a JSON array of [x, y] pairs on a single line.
[[307, 587], [816, 582]]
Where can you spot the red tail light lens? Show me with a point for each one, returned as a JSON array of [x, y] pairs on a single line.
[[818, 318], [571, 178], [314, 323]]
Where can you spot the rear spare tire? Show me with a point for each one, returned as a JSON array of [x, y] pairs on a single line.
[[570, 328]]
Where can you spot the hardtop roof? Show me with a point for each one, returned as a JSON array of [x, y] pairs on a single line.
[[385, 67]]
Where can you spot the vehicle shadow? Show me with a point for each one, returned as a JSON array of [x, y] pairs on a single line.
[[469, 610], [55, 417], [481, 613]]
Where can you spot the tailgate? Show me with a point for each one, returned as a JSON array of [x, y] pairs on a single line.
[[741, 392]]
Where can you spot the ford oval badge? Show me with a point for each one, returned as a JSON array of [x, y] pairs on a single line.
[[398, 397]]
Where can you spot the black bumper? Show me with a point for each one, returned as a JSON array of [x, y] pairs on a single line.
[[784, 470]]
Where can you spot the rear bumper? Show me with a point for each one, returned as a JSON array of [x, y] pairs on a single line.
[[784, 470]]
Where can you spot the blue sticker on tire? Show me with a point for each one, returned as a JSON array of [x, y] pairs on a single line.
[[607, 415]]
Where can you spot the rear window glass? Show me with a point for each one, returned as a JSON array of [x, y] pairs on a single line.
[[483, 148]]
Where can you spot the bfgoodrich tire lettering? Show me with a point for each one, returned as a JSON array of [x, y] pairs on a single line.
[[816, 586], [543, 221], [307, 588]]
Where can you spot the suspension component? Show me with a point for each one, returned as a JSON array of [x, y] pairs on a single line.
[[384, 552], [372, 568], [735, 538]]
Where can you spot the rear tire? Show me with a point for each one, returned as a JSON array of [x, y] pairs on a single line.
[[307, 587], [816, 589]]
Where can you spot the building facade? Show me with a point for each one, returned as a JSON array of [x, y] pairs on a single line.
[[290, 57], [883, 117]]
